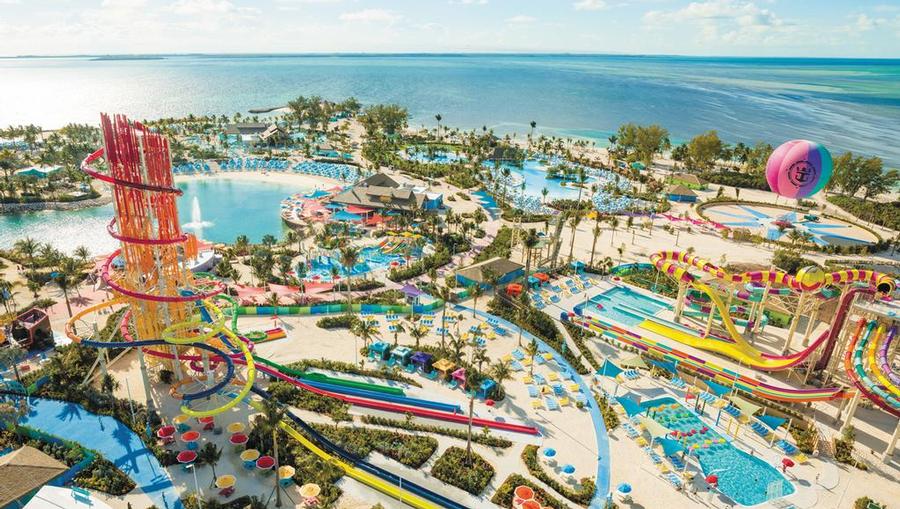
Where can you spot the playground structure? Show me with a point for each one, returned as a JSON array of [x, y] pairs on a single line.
[[175, 318], [808, 290], [865, 350]]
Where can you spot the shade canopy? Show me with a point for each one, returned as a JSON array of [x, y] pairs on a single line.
[[630, 406], [420, 358], [609, 369], [411, 291], [666, 365], [318, 193], [716, 389], [670, 446], [772, 421], [343, 215], [633, 362], [745, 406], [655, 429]]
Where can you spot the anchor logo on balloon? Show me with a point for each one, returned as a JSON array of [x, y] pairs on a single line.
[[801, 173]]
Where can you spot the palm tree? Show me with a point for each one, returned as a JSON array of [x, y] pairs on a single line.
[[28, 248], [349, 259], [531, 349], [475, 291], [10, 357], [241, 244], [82, 254], [501, 371], [533, 124], [574, 221], [596, 231], [364, 330], [444, 294], [417, 334], [67, 275], [267, 423], [210, 454], [398, 329], [613, 224], [7, 295], [438, 117]]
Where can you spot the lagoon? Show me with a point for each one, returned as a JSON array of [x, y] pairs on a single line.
[[231, 208]]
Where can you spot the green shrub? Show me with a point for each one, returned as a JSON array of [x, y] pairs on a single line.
[[411, 450], [345, 321], [498, 247], [867, 503], [479, 438], [582, 496], [884, 214], [455, 469], [504, 494], [435, 261], [288, 394], [610, 417], [353, 369]]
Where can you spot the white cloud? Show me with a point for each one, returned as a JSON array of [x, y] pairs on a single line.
[[112, 4], [469, 2], [734, 21], [521, 19], [864, 23], [370, 16], [202, 7], [589, 5]]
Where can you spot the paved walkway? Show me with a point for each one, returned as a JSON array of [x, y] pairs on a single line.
[[111, 438]]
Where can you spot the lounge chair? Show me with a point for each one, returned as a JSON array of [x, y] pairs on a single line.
[[533, 391], [537, 404]]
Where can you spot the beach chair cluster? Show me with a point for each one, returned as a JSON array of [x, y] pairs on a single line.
[[253, 164], [760, 429], [553, 292], [342, 172], [552, 391], [631, 374], [531, 204], [191, 168], [678, 383], [791, 450]]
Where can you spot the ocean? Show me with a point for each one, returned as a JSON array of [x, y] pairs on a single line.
[[847, 104]]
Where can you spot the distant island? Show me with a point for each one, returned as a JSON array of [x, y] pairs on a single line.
[[255, 111], [126, 57]]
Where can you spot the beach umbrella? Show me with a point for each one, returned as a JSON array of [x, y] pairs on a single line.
[[265, 462], [786, 463], [489, 402], [523, 492], [712, 479], [165, 431], [624, 488], [186, 457], [568, 469], [225, 481], [238, 439], [235, 427]]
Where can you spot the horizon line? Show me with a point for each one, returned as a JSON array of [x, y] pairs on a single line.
[[430, 53]]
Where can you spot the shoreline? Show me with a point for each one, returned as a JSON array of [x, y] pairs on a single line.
[[300, 180]]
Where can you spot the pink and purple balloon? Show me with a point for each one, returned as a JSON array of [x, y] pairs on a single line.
[[799, 168]]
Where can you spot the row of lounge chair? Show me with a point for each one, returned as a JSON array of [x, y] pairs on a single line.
[[342, 172], [253, 163]]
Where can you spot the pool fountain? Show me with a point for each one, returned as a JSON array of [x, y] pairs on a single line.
[[197, 223]]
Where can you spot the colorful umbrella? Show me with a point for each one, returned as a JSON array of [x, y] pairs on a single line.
[[265, 462], [165, 431], [238, 439], [186, 457], [523, 492], [225, 481], [235, 427], [310, 490], [712, 479], [249, 455], [624, 488], [190, 436]]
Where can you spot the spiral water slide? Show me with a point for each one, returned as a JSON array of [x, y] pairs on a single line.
[[866, 372], [156, 289], [675, 263]]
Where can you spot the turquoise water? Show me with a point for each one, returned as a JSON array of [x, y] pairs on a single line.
[[233, 207], [742, 477], [111, 438], [613, 301], [370, 259], [847, 104]]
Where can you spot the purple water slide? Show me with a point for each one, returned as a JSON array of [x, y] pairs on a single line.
[[883, 361]]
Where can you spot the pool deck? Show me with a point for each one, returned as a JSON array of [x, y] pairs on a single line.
[[111, 438]]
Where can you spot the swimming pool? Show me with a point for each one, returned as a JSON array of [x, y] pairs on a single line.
[[370, 259], [744, 478], [617, 304], [420, 154]]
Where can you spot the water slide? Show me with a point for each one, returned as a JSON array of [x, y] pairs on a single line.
[[707, 367], [670, 262], [884, 363], [371, 475], [860, 367]]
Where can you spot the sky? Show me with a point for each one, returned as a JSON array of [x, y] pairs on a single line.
[[803, 28]]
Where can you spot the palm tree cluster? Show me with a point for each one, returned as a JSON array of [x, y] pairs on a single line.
[[45, 263]]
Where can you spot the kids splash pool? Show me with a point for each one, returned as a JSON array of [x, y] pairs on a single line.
[[622, 304], [373, 258], [746, 479]]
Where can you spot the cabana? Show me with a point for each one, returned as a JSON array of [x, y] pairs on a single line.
[[401, 354], [577, 265], [412, 294], [422, 361], [459, 376], [40, 172], [540, 276], [513, 289], [380, 350], [444, 367], [486, 389], [356, 209]]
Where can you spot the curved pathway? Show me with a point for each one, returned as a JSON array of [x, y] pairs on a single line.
[[111, 438], [603, 459]]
